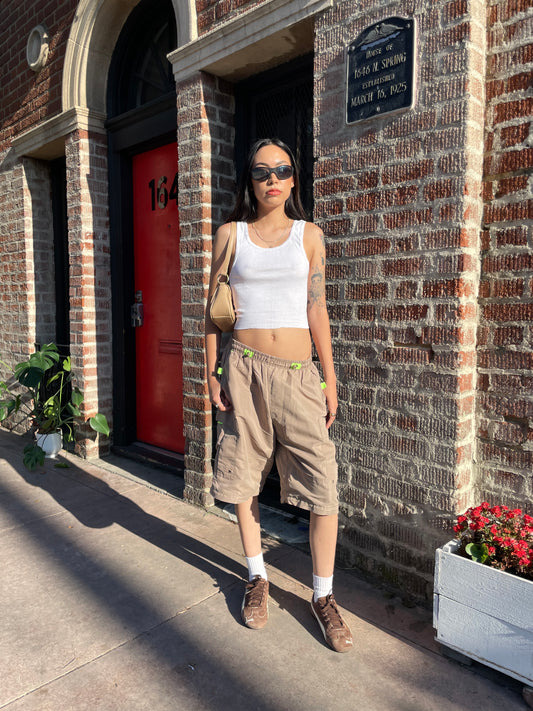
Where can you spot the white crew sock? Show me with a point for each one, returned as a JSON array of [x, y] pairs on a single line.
[[256, 566], [322, 586]]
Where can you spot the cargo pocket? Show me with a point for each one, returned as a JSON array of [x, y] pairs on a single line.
[[226, 456]]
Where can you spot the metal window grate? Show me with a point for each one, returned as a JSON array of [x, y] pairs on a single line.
[[279, 103]]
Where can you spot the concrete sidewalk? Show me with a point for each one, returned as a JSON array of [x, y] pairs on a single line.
[[116, 596]]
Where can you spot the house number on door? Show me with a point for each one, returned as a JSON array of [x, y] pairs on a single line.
[[160, 195]]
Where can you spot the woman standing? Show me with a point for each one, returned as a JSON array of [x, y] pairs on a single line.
[[266, 388]]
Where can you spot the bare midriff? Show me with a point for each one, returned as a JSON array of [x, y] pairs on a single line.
[[288, 343]]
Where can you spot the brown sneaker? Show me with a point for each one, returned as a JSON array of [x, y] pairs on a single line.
[[335, 630], [254, 610]]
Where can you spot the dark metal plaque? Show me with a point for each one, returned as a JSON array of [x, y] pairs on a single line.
[[380, 68]]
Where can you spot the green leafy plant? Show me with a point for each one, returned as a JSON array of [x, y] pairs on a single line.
[[48, 399]]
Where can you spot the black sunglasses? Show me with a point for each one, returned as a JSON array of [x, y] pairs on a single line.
[[262, 173]]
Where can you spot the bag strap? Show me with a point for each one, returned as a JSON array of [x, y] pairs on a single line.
[[229, 249]]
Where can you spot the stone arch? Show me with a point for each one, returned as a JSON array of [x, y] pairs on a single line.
[[93, 35]]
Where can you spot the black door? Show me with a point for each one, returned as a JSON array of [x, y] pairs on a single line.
[[279, 104]]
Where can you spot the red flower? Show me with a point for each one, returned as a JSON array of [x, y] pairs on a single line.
[[506, 533]]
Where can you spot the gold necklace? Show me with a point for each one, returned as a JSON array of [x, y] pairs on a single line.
[[272, 241]]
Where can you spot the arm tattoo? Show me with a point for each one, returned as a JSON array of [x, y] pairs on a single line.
[[317, 292], [323, 250]]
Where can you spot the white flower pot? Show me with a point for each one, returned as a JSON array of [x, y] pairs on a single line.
[[50, 443], [484, 613]]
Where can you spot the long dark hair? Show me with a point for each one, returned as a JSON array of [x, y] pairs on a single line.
[[246, 203]]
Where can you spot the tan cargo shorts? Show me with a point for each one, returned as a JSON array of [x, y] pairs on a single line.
[[279, 412]]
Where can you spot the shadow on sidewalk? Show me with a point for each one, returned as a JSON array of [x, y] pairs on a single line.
[[63, 485], [97, 505], [201, 655]]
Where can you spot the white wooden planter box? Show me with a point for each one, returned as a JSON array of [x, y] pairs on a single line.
[[484, 613]]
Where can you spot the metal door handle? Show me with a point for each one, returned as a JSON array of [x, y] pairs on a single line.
[[137, 311]]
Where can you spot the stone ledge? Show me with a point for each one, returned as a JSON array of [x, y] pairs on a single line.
[[47, 140], [233, 49]]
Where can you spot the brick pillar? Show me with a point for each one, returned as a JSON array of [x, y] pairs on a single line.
[[205, 173], [90, 279], [399, 199], [505, 451], [17, 289]]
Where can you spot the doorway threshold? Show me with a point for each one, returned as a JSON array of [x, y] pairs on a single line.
[[277, 524], [151, 456], [286, 524]]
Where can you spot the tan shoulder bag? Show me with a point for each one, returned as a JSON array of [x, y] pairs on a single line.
[[221, 309]]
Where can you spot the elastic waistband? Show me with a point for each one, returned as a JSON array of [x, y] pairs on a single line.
[[247, 352]]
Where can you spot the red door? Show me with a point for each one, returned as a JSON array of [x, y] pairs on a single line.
[[159, 376]]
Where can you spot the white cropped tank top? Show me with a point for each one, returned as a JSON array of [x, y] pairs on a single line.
[[269, 285]]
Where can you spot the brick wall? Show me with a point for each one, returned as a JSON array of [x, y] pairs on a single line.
[[210, 13], [399, 199], [27, 297], [205, 155], [16, 264], [29, 98], [505, 402], [27, 287], [90, 278]]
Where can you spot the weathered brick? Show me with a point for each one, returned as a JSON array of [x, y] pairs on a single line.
[[447, 287], [508, 335], [365, 247], [505, 360], [361, 292], [410, 312], [516, 236], [508, 312], [514, 135], [412, 171]]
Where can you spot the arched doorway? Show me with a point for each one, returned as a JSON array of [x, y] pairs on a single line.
[[141, 110], [91, 44]]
